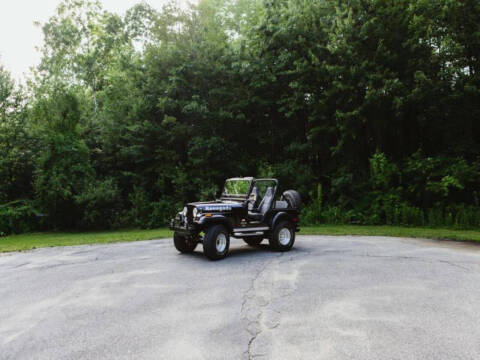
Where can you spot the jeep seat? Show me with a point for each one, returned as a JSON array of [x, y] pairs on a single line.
[[281, 205], [265, 205]]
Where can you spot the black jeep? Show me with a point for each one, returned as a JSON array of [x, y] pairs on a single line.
[[248, 209]]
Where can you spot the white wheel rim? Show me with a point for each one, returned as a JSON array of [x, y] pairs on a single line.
[[221, 243], [284, 236]]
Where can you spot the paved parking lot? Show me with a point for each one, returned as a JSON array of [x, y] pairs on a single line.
[[329, 298]]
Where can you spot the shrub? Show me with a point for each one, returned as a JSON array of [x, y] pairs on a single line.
[[382, 171], [141, 208], [63, 173], [149, 214], [312, 214], [467, 217], [460, 216], [17, 217], [100, 203], [408, 215]]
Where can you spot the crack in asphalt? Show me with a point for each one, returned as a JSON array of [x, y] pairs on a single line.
[[258, 313], [250, 323], [255, 305], [460, 265], [20, 265], [414, 258], [73, 263], [454, 264], [344, 294]]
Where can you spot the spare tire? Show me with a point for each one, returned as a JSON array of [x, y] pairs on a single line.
[[293, 199]]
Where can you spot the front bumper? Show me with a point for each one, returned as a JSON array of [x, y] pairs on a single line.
[[182, 228]]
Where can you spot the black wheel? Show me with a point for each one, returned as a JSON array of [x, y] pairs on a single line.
[[254, 240], [183, 244], [293, 199], [282, 237], [216, 242]]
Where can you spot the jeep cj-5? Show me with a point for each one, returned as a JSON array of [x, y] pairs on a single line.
[[249, 209]]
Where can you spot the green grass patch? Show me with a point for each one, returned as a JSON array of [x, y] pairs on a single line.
[[396, 231], [41, 240]]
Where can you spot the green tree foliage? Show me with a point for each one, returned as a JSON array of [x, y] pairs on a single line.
[[17, 147], [369, 108], [63, 170]]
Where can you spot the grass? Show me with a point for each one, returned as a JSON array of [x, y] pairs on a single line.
[[41, 240], [396, 231]]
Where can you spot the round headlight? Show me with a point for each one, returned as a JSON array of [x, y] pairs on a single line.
[[195, 212], [184, 212]]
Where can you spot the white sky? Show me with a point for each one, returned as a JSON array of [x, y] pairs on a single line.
[[19, 36]]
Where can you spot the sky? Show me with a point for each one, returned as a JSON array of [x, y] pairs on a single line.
[[20, 37]]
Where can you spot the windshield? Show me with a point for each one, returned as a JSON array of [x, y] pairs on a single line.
[[237, 187]]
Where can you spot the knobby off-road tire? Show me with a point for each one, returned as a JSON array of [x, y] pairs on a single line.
[[282, 237], [184, 245], [293, 199], [254, 240], [216, 242]]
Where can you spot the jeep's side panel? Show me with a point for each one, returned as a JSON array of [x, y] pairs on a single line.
[[240, 216], [216, 219]]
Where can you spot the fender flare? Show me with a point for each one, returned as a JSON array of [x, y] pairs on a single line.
[[278, 217], [216, 219]]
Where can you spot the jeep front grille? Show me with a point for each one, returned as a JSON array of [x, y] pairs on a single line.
[[189, 214]]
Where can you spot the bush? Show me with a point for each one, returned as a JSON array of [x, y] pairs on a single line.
[[63, 172], [101, 204], [435, 217], [459, 216], [377, 209], [149, 214], [467, 217], [391, 210], [405, 214], [334, 215], [315, 213], [17, 217], [312, 213]]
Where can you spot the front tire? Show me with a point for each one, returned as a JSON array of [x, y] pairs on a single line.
[[216, 242], [254, 240], [184, 245], [282, 237]]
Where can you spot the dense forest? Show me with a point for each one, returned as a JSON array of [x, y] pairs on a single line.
[[369, 108]]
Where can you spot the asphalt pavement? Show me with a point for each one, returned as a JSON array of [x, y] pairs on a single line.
[[329, 298]]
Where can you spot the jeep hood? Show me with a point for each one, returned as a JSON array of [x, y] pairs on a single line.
[[216, 205]]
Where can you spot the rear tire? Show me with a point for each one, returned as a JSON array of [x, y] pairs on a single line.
[[184, 245], [216, 242], [254, 240], [293, 199], [283, 236]]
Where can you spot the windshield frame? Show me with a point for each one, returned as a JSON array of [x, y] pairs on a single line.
[[238, 196]]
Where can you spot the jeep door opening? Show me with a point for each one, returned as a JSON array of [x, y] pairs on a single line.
[[248, 209]]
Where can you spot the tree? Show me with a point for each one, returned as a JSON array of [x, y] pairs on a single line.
[[17, 147], [81, 41], [63, 170], [373, 102]]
